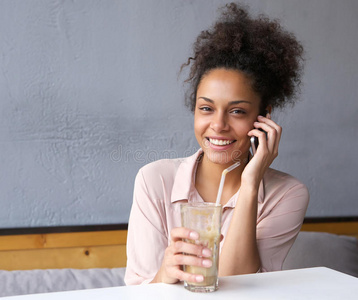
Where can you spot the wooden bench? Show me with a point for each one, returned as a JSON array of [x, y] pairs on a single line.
[[99, 246]]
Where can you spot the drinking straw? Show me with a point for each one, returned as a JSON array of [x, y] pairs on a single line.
[[222, 180]]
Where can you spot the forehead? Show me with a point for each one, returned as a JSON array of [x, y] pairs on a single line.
[[227, 84]]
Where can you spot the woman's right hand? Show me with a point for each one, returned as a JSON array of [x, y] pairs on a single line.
[[171, 268]]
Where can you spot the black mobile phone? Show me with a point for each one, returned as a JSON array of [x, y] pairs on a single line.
[[254, 144], [254, 140]]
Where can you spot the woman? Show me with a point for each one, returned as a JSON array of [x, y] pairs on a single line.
[[242, 68]]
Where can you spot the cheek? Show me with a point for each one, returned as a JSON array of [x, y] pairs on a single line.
[[244, 129], [200, 127], [200, 124]]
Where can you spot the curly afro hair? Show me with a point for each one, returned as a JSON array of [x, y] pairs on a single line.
[[259, 47]]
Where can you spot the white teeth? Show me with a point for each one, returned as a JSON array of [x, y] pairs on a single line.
[[220, 142]]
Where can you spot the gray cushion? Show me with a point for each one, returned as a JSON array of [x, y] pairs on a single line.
[[54, 280], [315, 249]]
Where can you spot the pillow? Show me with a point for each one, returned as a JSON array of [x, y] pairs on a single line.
[[321, 249], [55, 280]]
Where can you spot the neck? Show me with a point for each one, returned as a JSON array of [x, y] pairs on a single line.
[[210, 173]]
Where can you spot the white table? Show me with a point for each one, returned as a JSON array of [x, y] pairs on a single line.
[[312, 283]]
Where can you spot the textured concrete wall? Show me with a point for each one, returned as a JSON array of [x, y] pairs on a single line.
[[89, 92]]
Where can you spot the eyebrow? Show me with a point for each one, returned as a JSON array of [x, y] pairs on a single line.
[[230, 103]]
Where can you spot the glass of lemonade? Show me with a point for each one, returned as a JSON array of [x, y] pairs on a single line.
[[205, 219]]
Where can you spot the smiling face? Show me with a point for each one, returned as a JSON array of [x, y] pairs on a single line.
[[226, 108]]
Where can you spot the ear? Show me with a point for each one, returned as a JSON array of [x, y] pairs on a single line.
[[269, 109]]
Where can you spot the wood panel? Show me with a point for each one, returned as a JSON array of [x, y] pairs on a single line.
[[80, 250], [59, 258], [343, 228], [63, 240]]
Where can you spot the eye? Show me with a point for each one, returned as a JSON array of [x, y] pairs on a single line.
[[205, 108], [238, 111]]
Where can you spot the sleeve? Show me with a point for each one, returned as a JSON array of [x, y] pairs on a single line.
[[147, 238], [277, 232]]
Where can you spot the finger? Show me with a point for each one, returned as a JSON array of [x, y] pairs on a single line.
[[190, 260], [273, 131], [271, 123], [184, 276], [267, 132], [260, 135], [193, 249], [180, 233]]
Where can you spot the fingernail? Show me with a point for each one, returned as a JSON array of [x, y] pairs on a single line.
[[199, 278], [206, 252], [207, 263], [194, 235]]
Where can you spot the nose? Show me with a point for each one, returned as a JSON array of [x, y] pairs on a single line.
[[219, 122]]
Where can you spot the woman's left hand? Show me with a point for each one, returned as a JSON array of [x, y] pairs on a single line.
[[266, 151]]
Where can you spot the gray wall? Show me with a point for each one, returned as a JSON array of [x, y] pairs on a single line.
[[89, 92]]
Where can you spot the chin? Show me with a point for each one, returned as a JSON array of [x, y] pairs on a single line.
[[223, 157]]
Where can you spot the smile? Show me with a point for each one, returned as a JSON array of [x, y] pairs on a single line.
[[220, 142]]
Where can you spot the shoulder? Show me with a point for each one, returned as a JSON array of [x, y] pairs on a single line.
[[281, 179], [282, 185], [157, 171], [153, 184], [168, 168], [161, 167], [164, 174]]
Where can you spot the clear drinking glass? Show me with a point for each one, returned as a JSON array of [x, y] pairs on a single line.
[[205, 219]]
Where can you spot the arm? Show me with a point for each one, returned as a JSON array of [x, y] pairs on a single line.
[[147, 238], [149, 258], [240, 253]]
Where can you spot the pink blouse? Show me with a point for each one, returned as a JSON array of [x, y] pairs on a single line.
[[161, 186]]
